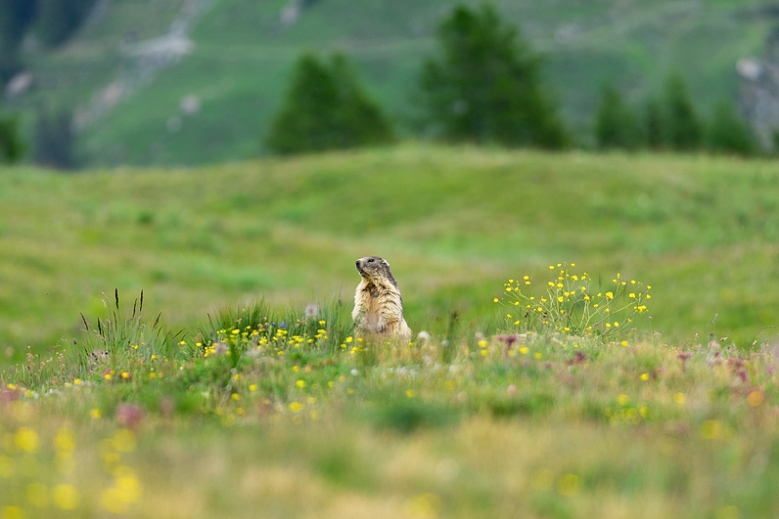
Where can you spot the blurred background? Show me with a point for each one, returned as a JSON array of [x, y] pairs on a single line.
[[186, 82], [233, 149]]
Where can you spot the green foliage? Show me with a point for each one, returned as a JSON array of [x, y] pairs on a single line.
[[729, 133], [11, 146], [684, 130], [654, 126], [54, 140], [615, 124], [326, 108], [485, 85]]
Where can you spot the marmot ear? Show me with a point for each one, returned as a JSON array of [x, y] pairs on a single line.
[[386, 263]]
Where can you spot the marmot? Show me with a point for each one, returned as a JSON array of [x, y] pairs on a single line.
[[378, 308]]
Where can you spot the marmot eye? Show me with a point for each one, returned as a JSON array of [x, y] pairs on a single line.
[[370, 260]]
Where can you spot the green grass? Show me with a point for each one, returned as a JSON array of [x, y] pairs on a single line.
[[455, 223], [300, 420], [232, 403], [242, 59]]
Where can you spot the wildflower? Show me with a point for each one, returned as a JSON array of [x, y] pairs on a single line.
[[410, 393], [300, 384], [65, 497], [13, 512], [311, 311], [65, 441], [644, 376], [295, 407], [680, 399], [427, 505], [755, 398], [129, 415], [26, 439], [252, 387], [568, 485], [711, 430], [95, 414], [623, 400]]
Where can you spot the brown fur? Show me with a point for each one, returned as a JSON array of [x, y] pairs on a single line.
[[378, 307]]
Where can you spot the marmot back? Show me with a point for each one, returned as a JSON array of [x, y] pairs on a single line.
[[378, 307]]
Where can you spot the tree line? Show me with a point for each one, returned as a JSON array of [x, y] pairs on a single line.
[[485, 85]]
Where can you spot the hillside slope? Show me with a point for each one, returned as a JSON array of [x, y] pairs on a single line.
[[455, 223], [177, 82]]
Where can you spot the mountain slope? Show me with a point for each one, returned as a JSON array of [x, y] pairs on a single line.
[[194, 81]]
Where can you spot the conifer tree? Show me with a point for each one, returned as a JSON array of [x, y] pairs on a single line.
[[485, 85], [10, 144], [325, 108], [728, 133], [654, 132], [615, 124], [684, 129]]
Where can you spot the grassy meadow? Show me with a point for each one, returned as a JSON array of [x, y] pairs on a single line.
[[614, 400]]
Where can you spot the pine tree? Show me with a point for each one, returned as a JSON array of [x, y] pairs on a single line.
[[615, 124], [654, 132], [325, 109], [485, 85], [10, 144], [729, 133], [684, 129]]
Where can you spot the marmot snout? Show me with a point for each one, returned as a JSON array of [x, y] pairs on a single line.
[[378, 307]]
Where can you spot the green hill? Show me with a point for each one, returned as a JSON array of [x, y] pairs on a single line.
[[455, 223], [134, 64]]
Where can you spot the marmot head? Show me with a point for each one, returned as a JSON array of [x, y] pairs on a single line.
[[373, 268]]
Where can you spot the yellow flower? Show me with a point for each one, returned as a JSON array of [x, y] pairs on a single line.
[[609, 295], [644, 376], [65, 441], [410, 393], [66, 497], [300, 383], [295, 407], [27, 439], [252, 387], [13, 512]]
